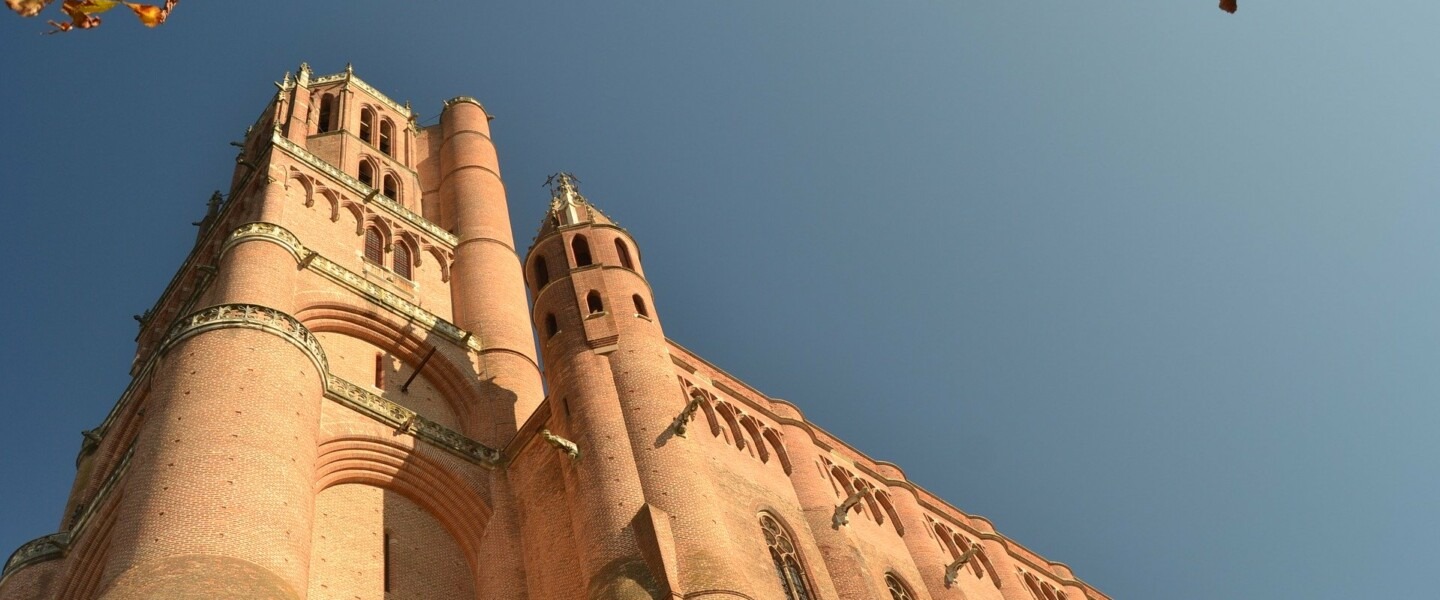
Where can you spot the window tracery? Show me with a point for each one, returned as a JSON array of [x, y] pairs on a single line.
[[786, 559]]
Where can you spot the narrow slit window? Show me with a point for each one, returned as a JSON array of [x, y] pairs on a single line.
[[624, 252], [581, 248], [367, 173], [380, 370], [366, 116], [389, 572], [542, 273], [551, 327], [386, 130], [374, 246], [640, 306], [402, 260], [593, 302]]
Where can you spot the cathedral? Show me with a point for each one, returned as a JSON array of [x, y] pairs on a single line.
[[357, 386]]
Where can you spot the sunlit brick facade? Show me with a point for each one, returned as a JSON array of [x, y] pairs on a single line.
[[339, 396]]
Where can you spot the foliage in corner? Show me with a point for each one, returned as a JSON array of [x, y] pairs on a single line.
[[83, 13]]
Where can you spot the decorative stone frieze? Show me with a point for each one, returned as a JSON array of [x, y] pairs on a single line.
[[37, 550], [251, 316], [365, 191], [360, 83], [408, 421], [344, 392]]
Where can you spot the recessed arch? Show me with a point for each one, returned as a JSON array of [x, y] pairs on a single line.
[[593, 303], [367, 125], [541, 273], [326, 312], [412, 474], [387, 131], [328, 112], [366, 173], [775, 444], [623, 251]]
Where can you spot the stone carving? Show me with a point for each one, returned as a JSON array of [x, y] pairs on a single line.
[[253, 316], [688, 414], [566, 446], [36, 550], [953, 569], [408, 421], [349, 73], [842, 512], [363, 190]]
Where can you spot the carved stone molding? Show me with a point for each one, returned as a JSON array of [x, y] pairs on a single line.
[[408, 421], [344, 392], [37, 550], [252, 316], [357, 283], [360, 83], [364, 191]]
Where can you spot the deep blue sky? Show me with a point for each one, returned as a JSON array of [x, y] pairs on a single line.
[[1151, 286]]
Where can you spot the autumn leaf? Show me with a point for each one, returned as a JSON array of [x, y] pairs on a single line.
[[149, 14], [90, 7], [27, 8]]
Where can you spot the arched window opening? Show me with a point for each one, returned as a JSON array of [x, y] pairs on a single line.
[[327, 114], [898, 589], [1034, 586], [402, 260], [366, 116], [581, 248], [593, 302], [391, 188], [542, 273], [640, 306], [884, 499], [624, 252], [786, 559], [374, 246], [386, 131], [551, 327], [367, 173], [1049, 591]]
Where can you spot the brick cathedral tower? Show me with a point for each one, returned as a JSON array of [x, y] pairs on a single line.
[[339, 396]]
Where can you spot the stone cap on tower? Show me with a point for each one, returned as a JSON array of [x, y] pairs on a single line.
[[568, 207]]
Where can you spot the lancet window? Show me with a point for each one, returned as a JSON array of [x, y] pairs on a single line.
[[786, 559], [898, 589]]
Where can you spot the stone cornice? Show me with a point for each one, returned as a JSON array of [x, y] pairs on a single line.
[[313, 261], [360, 83], [365, 191]]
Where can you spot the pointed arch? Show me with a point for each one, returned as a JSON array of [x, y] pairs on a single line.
[[728, 413], [775, 444], [366, 173], [623, 251], [390, 187], [403, 263], [789, 567], [387, 131], [897, 588], [883, 498], [541, 273], [367, 125], [328, 112], [750, 425], [580, 247], [413, 474]]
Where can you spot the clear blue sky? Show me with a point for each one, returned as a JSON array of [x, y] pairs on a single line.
[[1151, 286]]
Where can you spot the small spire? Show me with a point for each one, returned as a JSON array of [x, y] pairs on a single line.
[[303, 75], [565, 198], [349, 69], [285, 83]]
